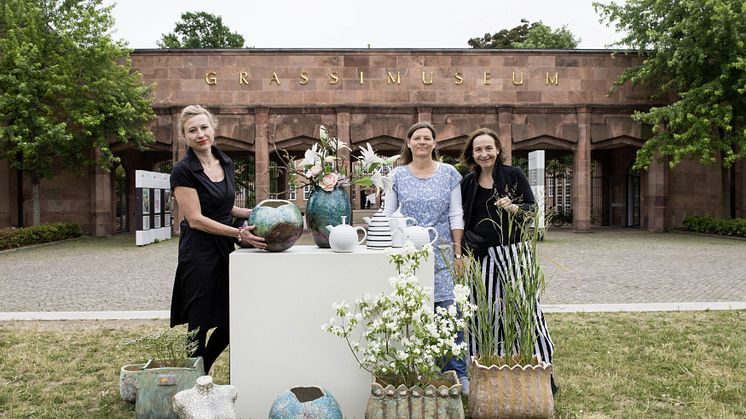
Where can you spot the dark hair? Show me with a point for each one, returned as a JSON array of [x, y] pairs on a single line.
[[406, 153], [467, 156]]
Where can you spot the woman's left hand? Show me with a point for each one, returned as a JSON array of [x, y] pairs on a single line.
[[246, 236], [506, 204]]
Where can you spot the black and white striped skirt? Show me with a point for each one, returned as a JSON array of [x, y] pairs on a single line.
[[498, 267]]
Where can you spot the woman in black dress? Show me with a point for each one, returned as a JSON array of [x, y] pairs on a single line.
[[203, 185], [490, 185]]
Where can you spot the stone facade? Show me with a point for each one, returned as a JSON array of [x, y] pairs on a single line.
[[557, 101]]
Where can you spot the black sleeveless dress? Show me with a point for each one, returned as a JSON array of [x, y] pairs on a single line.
[[200, 295]]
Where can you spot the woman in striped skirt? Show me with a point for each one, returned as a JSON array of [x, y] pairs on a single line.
[[494, 196]]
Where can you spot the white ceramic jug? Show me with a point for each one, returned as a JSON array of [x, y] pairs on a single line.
[[420, 236], [398, 223], [343, 238]]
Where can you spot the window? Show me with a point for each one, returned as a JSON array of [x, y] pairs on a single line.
[[306, 192], [291, 194], [550, 189]]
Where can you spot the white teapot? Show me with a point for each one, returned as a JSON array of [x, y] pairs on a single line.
[[420, 236], [343, 238], [398, 223]]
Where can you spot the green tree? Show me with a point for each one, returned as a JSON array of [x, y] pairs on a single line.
[[66, 89], [201, 30], [695, 52], [536, 35]]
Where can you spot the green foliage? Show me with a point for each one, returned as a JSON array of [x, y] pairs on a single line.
[[695, 52], [537, 35], [170, 347], [66, 88], [713, 225], [201, 30], [11, 238]]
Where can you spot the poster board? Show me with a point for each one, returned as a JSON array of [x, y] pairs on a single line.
[[152, 207]]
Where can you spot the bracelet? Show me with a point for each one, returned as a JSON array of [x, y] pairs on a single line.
[[457, 256], [239, 235]]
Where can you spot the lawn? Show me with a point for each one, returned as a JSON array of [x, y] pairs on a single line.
[[675, 364]]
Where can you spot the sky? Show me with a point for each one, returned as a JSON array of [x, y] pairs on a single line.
[[360, 23]]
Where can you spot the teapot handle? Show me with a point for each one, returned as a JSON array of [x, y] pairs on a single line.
[[365, 234], [432, 242], [407, 219], [284, 201]]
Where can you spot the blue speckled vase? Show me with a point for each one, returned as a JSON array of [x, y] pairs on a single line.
[[326, 208], [305, 402]]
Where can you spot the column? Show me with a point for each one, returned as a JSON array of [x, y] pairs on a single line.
[[656, 197], [505, 132], [102, 210], [581, 174], [261, 153], [178, 152], [343, 134]]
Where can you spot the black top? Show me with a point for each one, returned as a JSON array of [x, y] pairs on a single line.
[[200, 295], [507, 181]]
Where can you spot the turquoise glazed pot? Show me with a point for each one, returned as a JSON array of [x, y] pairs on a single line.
[[281, 225], [305, 402], [326, 208]]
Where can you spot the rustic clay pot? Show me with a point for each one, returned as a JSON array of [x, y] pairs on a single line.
[[429, 402], [517, 391]]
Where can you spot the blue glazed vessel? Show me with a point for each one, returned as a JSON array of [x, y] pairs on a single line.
[[280, 226], [326, 208], [305, 402]]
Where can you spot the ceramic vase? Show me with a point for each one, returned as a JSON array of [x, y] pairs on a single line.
[[157, 385], [305, 402], [206, 400], [128, 381], [516, 391], [278, 221], [326, 209], [442, 401]]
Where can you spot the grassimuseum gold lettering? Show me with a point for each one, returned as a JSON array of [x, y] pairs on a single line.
[[333, 78], [424, 77], [274, 79], [211, 78], [459, 78], [242, 78], [519, 82], [390, 78], [554, 80], [303, 78], [486, 79]]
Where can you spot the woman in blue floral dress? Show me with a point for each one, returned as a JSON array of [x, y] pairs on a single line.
[[428, 191]]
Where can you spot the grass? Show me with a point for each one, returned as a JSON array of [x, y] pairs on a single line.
[[678, 364]]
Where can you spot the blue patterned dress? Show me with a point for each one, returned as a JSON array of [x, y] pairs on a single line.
[[428, 200]]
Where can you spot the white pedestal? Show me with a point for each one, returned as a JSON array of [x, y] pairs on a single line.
[[278, 302]]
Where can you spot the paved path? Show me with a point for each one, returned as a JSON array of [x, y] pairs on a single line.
[[608, 266]]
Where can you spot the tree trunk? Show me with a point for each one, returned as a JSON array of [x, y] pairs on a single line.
[[36, 218]]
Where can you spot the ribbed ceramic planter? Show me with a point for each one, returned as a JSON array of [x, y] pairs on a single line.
[[441, 402], [156, 387], [518, 391], [326, 208]]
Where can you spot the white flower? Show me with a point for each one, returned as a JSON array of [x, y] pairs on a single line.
[[461, 293], [369, 157], [311, 156], [322, 133]]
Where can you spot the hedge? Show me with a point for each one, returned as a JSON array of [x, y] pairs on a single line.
[[713, 225], [11, 238]]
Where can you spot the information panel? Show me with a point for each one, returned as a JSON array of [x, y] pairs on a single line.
[[152, 207]]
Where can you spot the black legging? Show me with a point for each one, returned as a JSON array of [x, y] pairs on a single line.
[[210, 351]]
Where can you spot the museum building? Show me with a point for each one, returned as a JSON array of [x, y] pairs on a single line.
[[268, 101]]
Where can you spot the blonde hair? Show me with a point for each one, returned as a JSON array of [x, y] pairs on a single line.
[[194, 110]]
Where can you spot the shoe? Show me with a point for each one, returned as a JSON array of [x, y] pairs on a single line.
[[465, 385], [555, 388]]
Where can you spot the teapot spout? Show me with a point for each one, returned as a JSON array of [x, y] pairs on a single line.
[[366, 219], [329, 228]]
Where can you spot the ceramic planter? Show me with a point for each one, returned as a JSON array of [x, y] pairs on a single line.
[[517, 391], [156, 387], [128, 381], [305, 402], [429, 402]]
